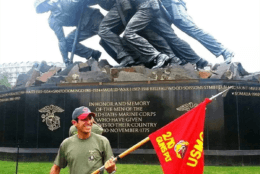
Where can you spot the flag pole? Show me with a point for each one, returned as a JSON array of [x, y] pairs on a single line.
[[76, 38], [17, 157], [215, 96], [136, 146]]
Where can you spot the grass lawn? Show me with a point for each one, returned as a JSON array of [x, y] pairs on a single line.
[[7, 167]]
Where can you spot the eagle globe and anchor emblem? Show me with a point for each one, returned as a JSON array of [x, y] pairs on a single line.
[[52, 121]]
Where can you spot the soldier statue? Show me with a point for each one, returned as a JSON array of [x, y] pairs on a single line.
[[148, 38], [181, 19], [68, 13], [135, 16]]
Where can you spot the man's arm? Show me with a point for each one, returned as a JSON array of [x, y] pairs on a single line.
[[58, 30], [55, 169], [110, 166], [60, 160]]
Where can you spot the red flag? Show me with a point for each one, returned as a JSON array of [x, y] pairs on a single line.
[[179, 144]]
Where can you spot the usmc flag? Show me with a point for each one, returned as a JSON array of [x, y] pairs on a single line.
[[179, 144]]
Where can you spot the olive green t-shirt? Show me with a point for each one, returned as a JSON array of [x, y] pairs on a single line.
[[95, 128], [83, 156]]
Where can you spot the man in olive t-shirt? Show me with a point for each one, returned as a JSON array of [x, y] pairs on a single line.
[[86, 151]]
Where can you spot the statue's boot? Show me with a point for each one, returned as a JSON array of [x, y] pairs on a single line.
[[126, 62], [96, 55], [174, 60], [161, 60], [228, 56], [201, 64], [67, 62]]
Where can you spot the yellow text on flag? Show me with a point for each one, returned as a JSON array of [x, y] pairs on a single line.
[[195, 153], [166, 142]]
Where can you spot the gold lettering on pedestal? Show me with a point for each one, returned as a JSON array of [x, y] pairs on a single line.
[[9, 99], [124, 116], [127, 89], [246, 94], [132, 89]]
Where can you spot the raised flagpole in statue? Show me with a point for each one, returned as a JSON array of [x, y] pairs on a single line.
[[179, 144]]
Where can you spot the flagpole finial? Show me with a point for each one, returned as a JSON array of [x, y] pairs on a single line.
[[226, 90]]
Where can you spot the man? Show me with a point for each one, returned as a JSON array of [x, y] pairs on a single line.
[[68, 13], [144, 13], [84, 152], [181, 19], [96, 128]]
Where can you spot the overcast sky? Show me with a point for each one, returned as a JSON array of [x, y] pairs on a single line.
[[26, 36]]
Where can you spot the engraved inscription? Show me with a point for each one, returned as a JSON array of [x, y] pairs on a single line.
[[253, 91], [125, 116], [10, 99], [247, 94]]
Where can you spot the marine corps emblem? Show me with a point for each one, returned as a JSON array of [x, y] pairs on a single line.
[[180, 148], [92, 155], [52, 121], [187, 106]]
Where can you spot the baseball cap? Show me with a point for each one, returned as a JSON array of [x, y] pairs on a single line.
[[82, 113]]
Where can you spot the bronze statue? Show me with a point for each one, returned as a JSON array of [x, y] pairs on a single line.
[[148, 38], [180, 18], [69, 13]]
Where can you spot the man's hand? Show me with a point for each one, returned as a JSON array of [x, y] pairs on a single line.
[[110, 166], [55, 169]]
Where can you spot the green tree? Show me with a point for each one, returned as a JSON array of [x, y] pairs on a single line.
[[4, 79]]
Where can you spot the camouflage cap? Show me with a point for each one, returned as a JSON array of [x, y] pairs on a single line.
[[38, 6]]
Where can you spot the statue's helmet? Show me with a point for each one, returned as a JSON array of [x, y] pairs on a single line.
[[39, 6]]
